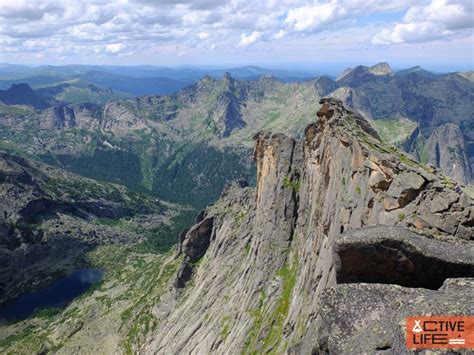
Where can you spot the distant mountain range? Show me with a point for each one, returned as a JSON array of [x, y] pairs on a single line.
[[200, 135], [134, 80], [309, 182], [440, 105]]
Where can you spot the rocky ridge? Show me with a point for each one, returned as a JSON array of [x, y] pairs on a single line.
[[422, 97], [267, 269], [165, 140]]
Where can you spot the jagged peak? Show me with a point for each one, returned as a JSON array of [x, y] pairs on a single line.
[[23, 94], [334, 113], [227, 76], [334, 119], [381, 69], [324, 78], [206, 78], [324, 85], [345, 73]]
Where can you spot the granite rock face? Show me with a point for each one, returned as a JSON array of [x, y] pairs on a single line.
[[114, 117], [370, 318], [330, 213], [397, 256], [193, 244], [447, 149], [61, 117]]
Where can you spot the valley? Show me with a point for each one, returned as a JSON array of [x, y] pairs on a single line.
[[232, 177], [169, 194]]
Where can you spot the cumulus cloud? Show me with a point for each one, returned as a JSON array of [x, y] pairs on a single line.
[[440, 19], [250, 39], [114, 48], [321, 15], [203, 35], [314, 16], [280, 34], [117, 28]]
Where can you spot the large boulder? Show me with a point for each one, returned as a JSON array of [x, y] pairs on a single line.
[[394, 255], [197, 239], [405, 188], [370, 318]]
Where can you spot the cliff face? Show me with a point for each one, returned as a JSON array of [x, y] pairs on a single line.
[[278, 259], [446, 148], [66, 117]]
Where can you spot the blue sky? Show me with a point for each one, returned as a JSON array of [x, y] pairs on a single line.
[[437, 34]]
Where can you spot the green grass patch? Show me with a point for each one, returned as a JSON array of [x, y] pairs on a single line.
[[394, 130], [271, 324], [291, 183]]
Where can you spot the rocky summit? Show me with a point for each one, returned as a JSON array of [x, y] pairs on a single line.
[[341, 239]]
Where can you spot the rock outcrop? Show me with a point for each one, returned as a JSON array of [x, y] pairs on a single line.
[[381, 69], [227, 116], [193, 244], [61, 117], [421, 97], [281, 256], [394, 255], [117, 117], [370, 318]]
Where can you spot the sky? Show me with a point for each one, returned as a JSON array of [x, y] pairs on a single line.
[[437, 34]]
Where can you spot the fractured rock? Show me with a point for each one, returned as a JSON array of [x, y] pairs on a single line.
[[405, 188]]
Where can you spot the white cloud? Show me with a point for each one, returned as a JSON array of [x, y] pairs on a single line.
[[411, 33], [92, 28], [203, 35], [320, 15], [312, 17], [246, 41], [453, 15], [440, 19], [114, 48], [280, 34]]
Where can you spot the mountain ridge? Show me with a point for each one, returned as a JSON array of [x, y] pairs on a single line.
[[162, 137], [336, 217], [280, 251]]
